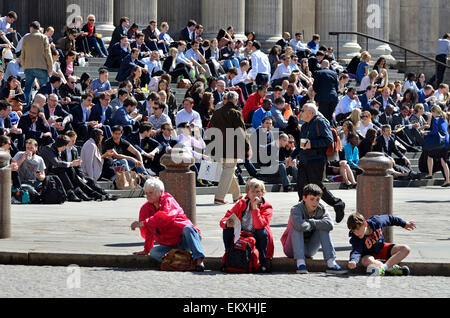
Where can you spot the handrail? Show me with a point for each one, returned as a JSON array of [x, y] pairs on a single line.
[[386, 42]]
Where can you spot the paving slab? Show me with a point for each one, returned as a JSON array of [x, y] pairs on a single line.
[[103, 228]]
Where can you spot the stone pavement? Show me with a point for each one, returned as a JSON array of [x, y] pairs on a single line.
[[103, 228]]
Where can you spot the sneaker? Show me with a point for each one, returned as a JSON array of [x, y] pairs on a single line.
[[378, 271], [398, 271], [301, 269], [337, 270]]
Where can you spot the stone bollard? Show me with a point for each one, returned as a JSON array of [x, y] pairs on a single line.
[[5, 195], [375, 189], [179, 181]]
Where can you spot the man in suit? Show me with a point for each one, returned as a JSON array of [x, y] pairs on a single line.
[[386, 144], [144, 50], [166, 137], [56, 116], [118, 52], [87, 185], [187, 34], [52, 87], [34, 126], [71, 91], [149, 148], [315, 62], [410, 137], [55, 165], [385, 99], [36, 58], [119, 31], [127, 116], [127, 64], [81, 114], [102, 114], [386, 117], [326, 85], [367, 97]]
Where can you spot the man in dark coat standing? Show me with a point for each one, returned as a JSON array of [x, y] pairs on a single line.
[[326, 86]]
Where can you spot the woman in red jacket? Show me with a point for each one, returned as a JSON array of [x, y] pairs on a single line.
[[161, 219], [255, 214]]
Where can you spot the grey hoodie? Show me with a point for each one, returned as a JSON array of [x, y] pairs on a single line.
[[302, 222]]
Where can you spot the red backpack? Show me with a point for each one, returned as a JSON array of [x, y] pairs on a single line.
[[242, 257], [334, 147]]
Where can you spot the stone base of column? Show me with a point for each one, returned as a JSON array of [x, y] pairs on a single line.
[[106, 30], [383, 50], [348, 51], [268, 42]]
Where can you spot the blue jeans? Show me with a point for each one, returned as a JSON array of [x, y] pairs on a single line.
[[190, 241], [296, 247], [233, 62], [30, 75], [98, 44], [285, 172]]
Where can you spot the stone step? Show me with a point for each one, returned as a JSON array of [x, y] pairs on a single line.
[[332, 186]]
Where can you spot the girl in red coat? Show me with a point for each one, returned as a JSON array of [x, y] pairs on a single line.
[[254, 213], [161, 219]]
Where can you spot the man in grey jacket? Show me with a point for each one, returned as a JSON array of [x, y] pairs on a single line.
[[308, 229]]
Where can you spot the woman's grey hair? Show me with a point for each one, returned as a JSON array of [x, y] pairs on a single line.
[[232, 97], [154, 183]]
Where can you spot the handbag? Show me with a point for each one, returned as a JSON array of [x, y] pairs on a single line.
[[126, 180], [210, 171], [434, 142], [177, 260]]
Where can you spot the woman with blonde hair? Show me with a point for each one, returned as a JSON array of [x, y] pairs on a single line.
[[368, 80], [366, 123], [439, 127], [355, 118], [254, 213], [94, 39], [363, 66]]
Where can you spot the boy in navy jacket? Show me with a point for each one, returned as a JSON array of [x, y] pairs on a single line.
[[369, 248]]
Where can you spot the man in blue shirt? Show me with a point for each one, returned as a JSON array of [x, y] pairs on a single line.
[[262, 113], [442, 51], [314, 45]]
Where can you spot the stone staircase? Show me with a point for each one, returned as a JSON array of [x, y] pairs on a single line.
[[437, 180], [96, 63]]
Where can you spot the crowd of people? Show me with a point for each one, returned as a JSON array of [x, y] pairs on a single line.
[[295, 100]]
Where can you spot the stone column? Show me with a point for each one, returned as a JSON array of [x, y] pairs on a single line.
[[429, 27], [394, 26], [299, 16], [444, 14], [5, 196], [265, 18], [140, 12], [410, 27], [219, 14], [179, 181], [374, 20], [375, 189], [177, 13], [104, 15], [338, 15]]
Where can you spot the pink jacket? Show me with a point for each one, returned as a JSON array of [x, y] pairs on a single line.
[[164, 226]]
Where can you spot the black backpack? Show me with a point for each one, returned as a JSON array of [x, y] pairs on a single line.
[[52, 191]]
